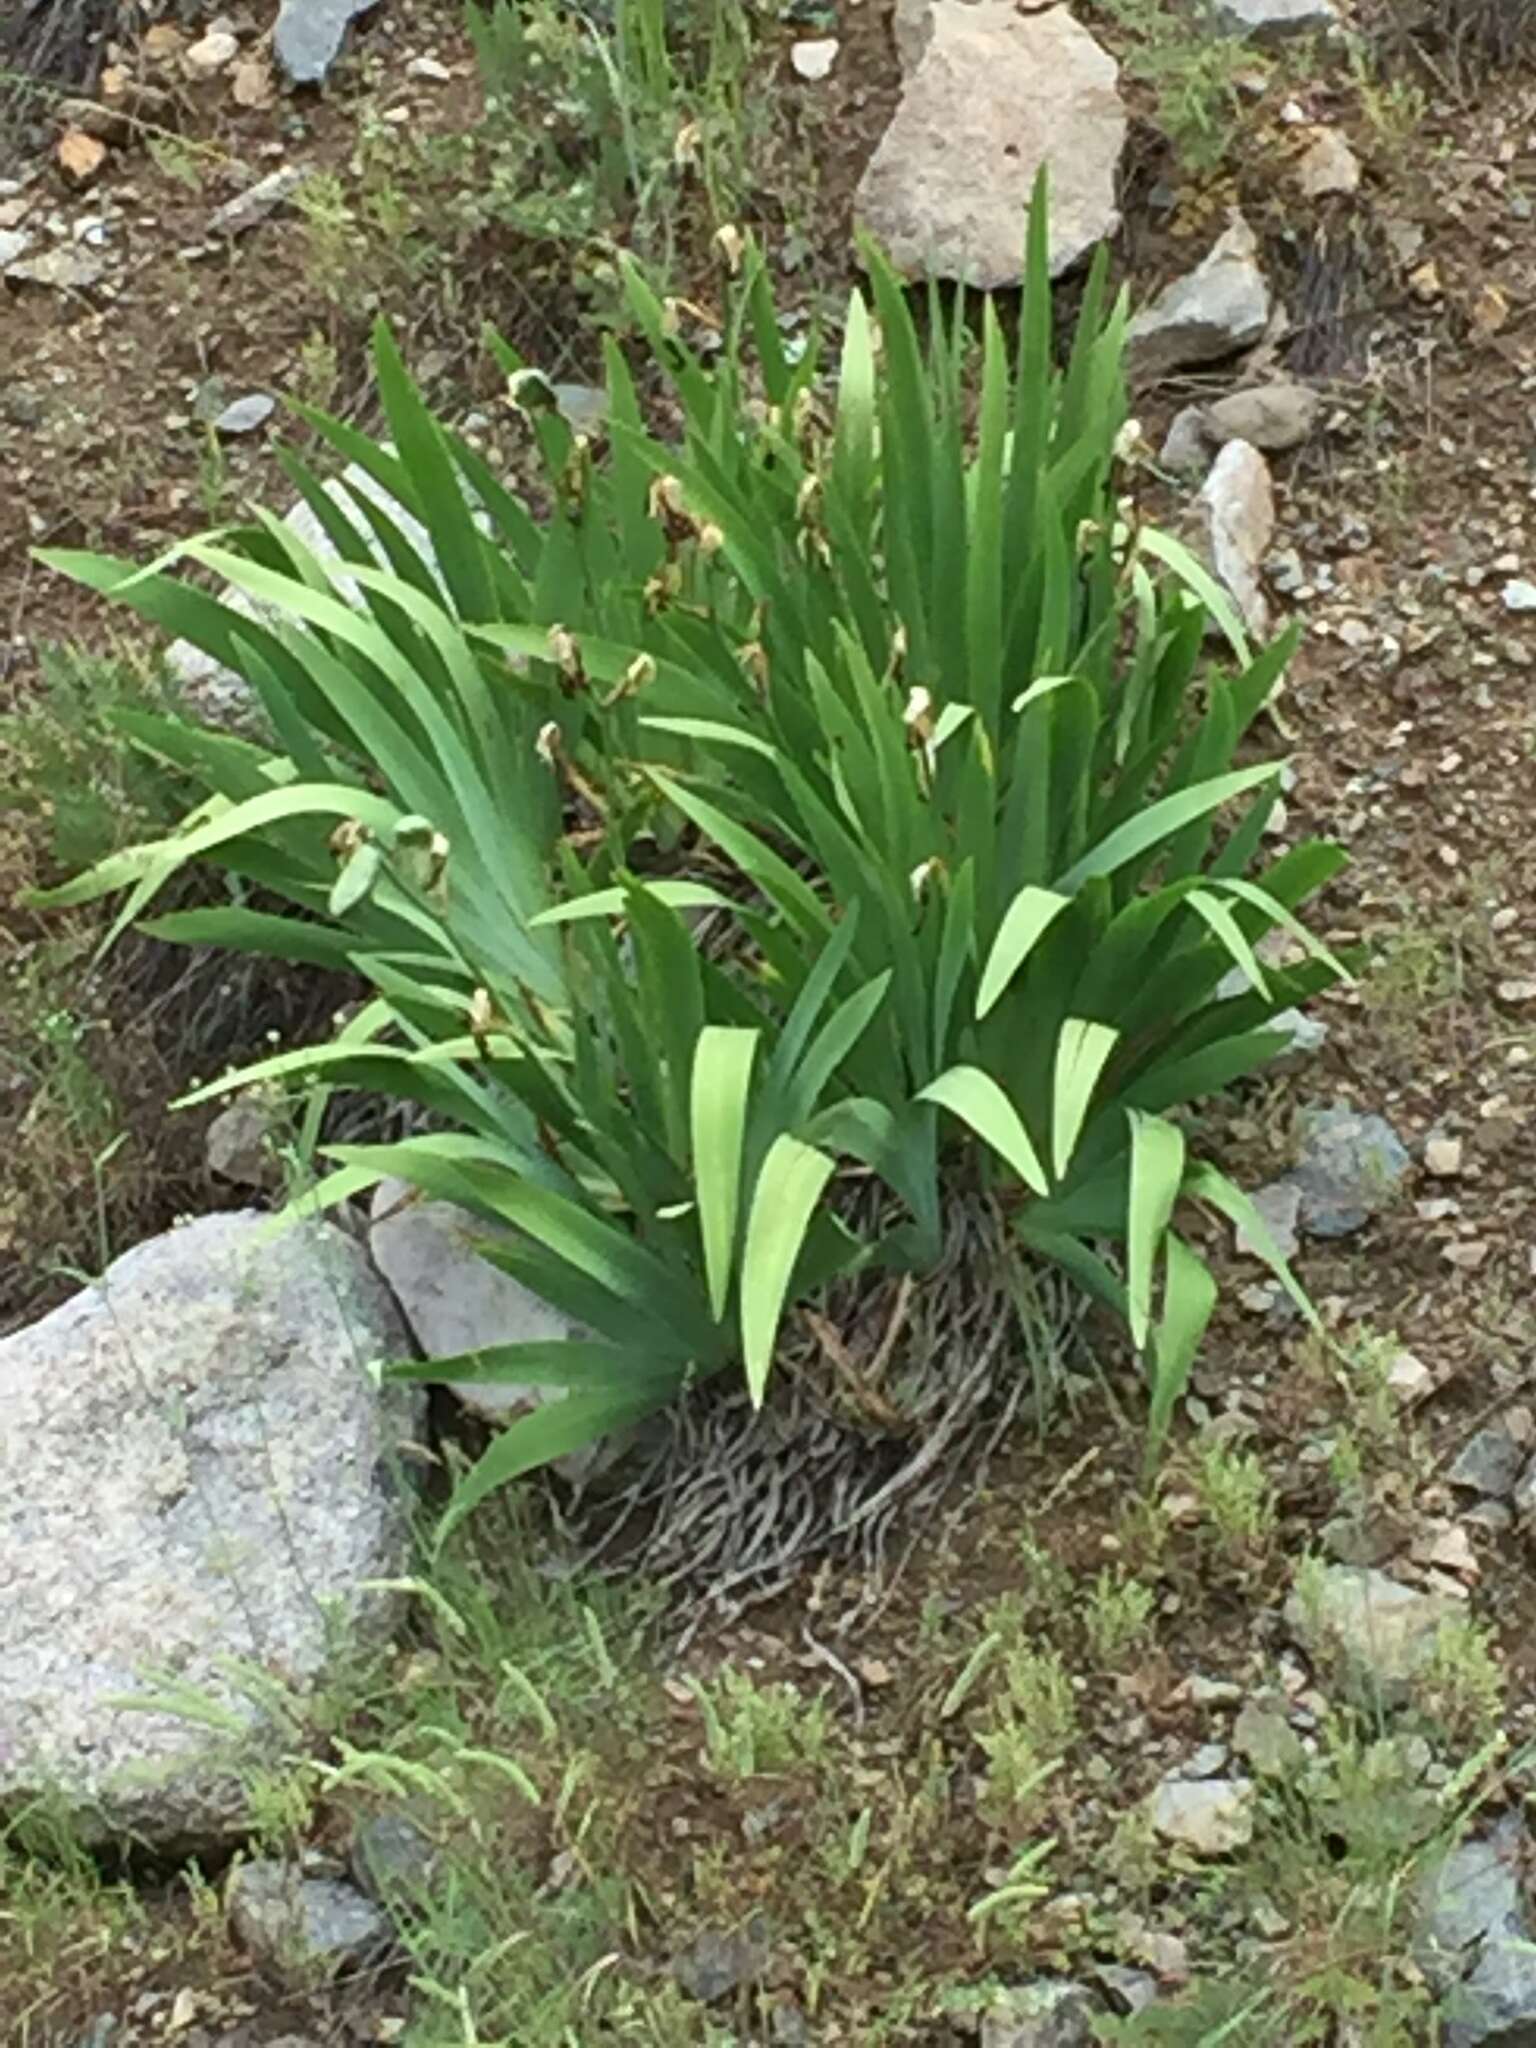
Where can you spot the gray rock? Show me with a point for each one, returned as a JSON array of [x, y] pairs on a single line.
[[302, 1929], [1375, 1634], [1270, 21], [1208, 1761], [1186, 449], [1210, 1816], [258, 202], [1269, 416], [309, 36], [238, 1148], [14, 244], [245, 415], [1477, 1945], [714, 1965], [1351, 1166], [1127, 1990], [1519, 595], [992, 93], [1494, 1516], [1266, 1741], [1307, 1036], [193, 1478], [1489, 1463], [65, 268], [393, 1860], [1369, 1535], [21, 406], [1283, 567], [1279, 1206], [456, 1301], [584, 406], [1523, 1499], [1236, 509], [1213, 311], [1052, 2012]]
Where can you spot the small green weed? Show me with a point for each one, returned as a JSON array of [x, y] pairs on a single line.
[[1237, 1501], [752, 1728], [68, 777], [1332, 1882], [1192, 72], [1117, 1615], [1462, 1688]]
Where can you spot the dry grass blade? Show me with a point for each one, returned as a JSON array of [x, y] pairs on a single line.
[[737, 1502]]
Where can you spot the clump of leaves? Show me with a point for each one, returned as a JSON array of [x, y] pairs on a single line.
[[841, 791]]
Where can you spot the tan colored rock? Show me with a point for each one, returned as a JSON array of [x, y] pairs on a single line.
[[992, 95], [1327, 166], [1237, 512], [79, 157]]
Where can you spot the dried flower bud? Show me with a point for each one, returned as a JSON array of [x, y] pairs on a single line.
[[437, 860], [919, 704], [547, 744], [530, 391], [666, 495], [567, 654], [666, 505], [753, 657], [711, 538], [732, 244], [686, 148], [1130, 441], [663, 588], [920, 877], [348, 837]]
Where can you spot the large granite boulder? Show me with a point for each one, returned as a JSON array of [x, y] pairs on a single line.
[[198, 1482]]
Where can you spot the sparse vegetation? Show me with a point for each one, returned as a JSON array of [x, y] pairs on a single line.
[[1191, 73]]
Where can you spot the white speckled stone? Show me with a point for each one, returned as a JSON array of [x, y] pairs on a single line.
[[196, 1475]]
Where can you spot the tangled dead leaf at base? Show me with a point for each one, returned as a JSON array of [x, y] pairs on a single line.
[[882, 1409]]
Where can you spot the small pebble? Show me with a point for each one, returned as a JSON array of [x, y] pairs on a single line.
[[813, 60], [246, 414]]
